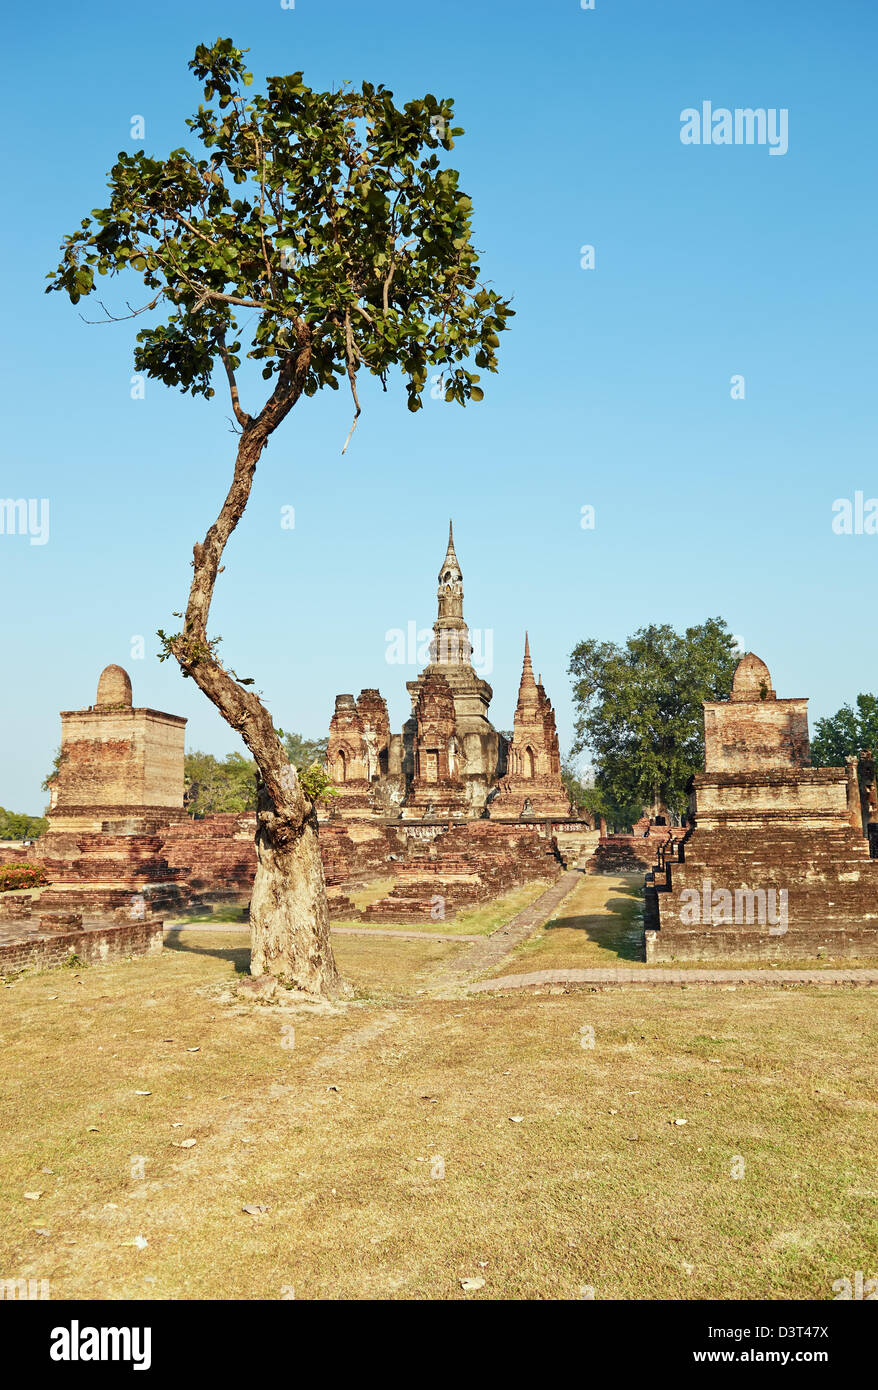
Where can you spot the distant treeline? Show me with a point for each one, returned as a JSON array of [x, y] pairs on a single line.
[[17, 825]]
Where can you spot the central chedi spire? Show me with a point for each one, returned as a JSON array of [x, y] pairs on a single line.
[[453, 754], [450, 645]]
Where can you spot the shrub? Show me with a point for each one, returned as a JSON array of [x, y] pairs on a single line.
[[21, 876]]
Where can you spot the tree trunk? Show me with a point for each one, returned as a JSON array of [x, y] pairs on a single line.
[[288, 913], [289, 919]]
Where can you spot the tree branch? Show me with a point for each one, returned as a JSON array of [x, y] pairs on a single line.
[[240, 415], [350, 359]]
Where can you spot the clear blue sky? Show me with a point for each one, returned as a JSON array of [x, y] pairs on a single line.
[[615, 382]]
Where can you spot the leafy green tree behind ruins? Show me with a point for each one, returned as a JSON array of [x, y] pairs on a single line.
[[638, 710], [18, 825], [846, 734], [325, 223], [230, 783]]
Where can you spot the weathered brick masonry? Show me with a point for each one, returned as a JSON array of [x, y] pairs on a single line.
[[776, 862], [92, 944]]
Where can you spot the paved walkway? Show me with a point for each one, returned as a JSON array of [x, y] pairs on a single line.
[[660, 975], [490, 950]]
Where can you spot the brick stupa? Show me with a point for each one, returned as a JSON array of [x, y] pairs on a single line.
[[776, 860], [118, 788]]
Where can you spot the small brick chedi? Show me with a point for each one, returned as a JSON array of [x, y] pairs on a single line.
[[776, 860], [116, 757], [119, 785], [449, 762]]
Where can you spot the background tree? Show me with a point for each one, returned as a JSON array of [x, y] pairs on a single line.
[[638, 710], [17, 825], [230, 784], [214, 785], [587, 796], [305, 752], [327, 218], [53, 771], [846, 734]]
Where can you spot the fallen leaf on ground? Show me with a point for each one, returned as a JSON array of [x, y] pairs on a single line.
[[33, 1196], [140, 1242], [254, 1210], [470, 1285], [679, 1122], [187, 1143], [516, 1119], [143, 1093]]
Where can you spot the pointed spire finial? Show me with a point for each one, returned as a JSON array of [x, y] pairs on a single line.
[[451, 561], [527, 672]]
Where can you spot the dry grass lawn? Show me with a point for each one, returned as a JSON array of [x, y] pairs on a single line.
[[601, 924], [563, 1169], [474, 921]]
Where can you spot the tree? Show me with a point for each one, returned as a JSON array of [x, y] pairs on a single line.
[[230, 784], [638, 710], [593, 799], [18, 825], [327, 219], [305, 752], [846, 734], [216, 786], [53, 773]]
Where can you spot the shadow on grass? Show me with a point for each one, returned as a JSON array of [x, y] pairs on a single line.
[[238, 956], [621, 932]]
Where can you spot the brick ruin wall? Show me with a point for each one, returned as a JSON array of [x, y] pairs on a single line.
[[93, 944], [185, 866]]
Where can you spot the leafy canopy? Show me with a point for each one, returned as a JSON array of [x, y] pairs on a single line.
[[846, 734], [229, 784], [638, 708], [18, 825], [328, 213]]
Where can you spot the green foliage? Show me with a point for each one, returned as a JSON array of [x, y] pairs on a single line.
[[595, 800], [214, 786], [304, 752], [316, 782], [17, 825], [328, 213], [847, 733], [53, 773], [639, 710]]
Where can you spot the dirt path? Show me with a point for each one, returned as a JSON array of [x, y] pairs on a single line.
[[607, 977]]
